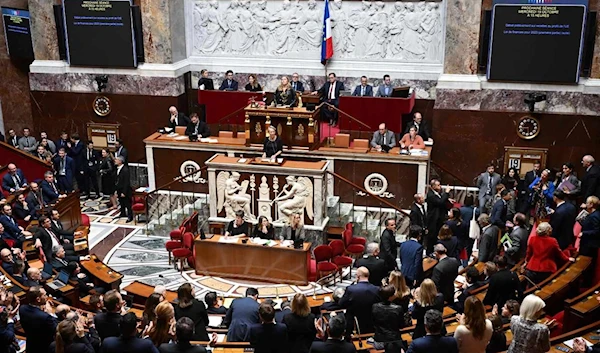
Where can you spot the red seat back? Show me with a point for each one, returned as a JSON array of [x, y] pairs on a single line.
[[337, 247], [347, 236], [323, 253], [175, 234], [188, 240]]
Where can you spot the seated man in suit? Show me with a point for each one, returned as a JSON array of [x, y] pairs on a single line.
[[330, 93], [268, 336], [14, 181], [34, 277], [65, 236], [335, 343], [84, 282], [242, 314], [47, 240], [23, 211], [125, 338], [334, 304], [411, 256], [7, 260], [205, 83], [386, 89], [445, 272], [65, 169], [18, 272], [297, 85], [197, 128], [36, 319], [214, 305], [50, 190], [177, 118], [12, 230], [358, 300], [364, 89], [35, 198], [375, 265], [184, 329], [472, 283], [13, 138], [421, 126], [229, 84], [108, 323], [60, 259], [383, 139], [434, 341]]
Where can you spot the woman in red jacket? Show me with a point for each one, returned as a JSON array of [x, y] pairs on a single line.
[[543, 253]]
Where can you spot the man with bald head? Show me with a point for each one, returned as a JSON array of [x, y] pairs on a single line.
[[373, 263], [358, 300], [383, 139], [177, 118], [34, 276], [590, 183], [421, 125], [14, 181]]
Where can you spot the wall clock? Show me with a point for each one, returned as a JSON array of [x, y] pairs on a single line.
[[102, 106], [528, 127]]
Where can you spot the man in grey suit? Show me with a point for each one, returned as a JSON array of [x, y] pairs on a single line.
[[386, 89], [383, 139], [364, 89], [488, 245], [27, 143], [518, 238], [486, 182]]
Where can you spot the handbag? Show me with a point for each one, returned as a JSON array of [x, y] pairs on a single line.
[[474, 230]]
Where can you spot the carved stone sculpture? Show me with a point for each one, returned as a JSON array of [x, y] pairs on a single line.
[[296, 197], [232, 196]]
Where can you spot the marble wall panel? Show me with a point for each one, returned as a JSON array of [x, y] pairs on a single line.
[[164, 30], [462, 36], [43, 29], [14, 84]]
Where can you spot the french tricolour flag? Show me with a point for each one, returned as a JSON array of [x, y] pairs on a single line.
[[327, 45]]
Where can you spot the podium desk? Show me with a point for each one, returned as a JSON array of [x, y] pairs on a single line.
[[248, 261], [101, 274], [295, 126], [375, 110]]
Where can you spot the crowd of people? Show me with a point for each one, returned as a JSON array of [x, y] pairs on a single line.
[[74, 165]]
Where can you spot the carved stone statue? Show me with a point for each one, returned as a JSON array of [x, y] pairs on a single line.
[[232, 196], [310, 30], [296, 196]]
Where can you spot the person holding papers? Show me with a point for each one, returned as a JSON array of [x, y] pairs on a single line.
[[197, 128], [569, 183], [273, 145]]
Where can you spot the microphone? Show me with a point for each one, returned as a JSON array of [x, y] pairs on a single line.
[[360, 344]]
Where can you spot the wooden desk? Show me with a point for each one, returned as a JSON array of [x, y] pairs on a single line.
[[141, 291], [183, 139], [102, 275], [253, 262]]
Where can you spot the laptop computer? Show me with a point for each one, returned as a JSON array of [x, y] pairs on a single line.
[[61, 280]]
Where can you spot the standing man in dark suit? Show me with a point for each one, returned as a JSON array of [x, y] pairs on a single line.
[[330, 93], [504, 285], [297, 85], [125, 340], [205, 83], [358, 300], [418, 214], [388, 246], [518, 239], [14, 181], [107, 323], [563, 219], [197, 128], [335, 343], [184, 330], [34, 198], [590, 228], [434, 341], [13, 139], [123, 188], [411, 257], [375, 265], [121, 151], [421, 126], [65, 168], [364, 89], [50, 189], [437, 209], [37, 322], [444, 273], [486, 182], [242, 314], [525, 194], [590, 183], [177, 118], [76, 153], [500, 210], [92, 163], [488, 244], [268, 336], [229, 84], [63, 142]]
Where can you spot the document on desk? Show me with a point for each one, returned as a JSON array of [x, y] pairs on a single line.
[[221, 338], [214, 320], [181, 138], [228, 240]]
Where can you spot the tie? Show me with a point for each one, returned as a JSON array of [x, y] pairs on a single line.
[[229, 83], [331, 87], [387, 90], [62, 166], [362, 91], [89, 154], [16, 180], [489, 184], [54, 188], [294, 86], [12, 220], [196, 129], [384, 140]]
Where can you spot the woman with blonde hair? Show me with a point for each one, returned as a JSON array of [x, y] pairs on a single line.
[[295, 229], [253, 85], [300, 325], [285, 94], [426, 298], [528, 335], [273, 146], [401, 294], [70, 338], [162, 329], [474, 331]]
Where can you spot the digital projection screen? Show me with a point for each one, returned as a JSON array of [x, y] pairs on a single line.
[[99, 33], [17, 33], [537, 40]]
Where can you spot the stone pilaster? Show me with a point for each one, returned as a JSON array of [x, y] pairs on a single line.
[[462, 36], [43, 30], [164, 30]]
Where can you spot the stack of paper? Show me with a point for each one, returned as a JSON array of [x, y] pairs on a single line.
[[228, 240]]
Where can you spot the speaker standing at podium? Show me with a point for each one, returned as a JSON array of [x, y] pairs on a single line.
[[273, 146]]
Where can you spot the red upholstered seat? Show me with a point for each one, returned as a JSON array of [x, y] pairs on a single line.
[[10, 242], [85, 220], [140, 207], [323, 256], [185, 252], [176, 234], [354, 250], [312, 270], [326, 266], [188, 241], [181, 253], [339, 259], [173, 244]]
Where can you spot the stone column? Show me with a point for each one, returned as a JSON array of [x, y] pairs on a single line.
[[43, 30], [462, 36], [164, 31]]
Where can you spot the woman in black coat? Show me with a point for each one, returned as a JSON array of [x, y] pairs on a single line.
[[107, 176], [388, 319], [426, 298], [300, 325], [190, 307]]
